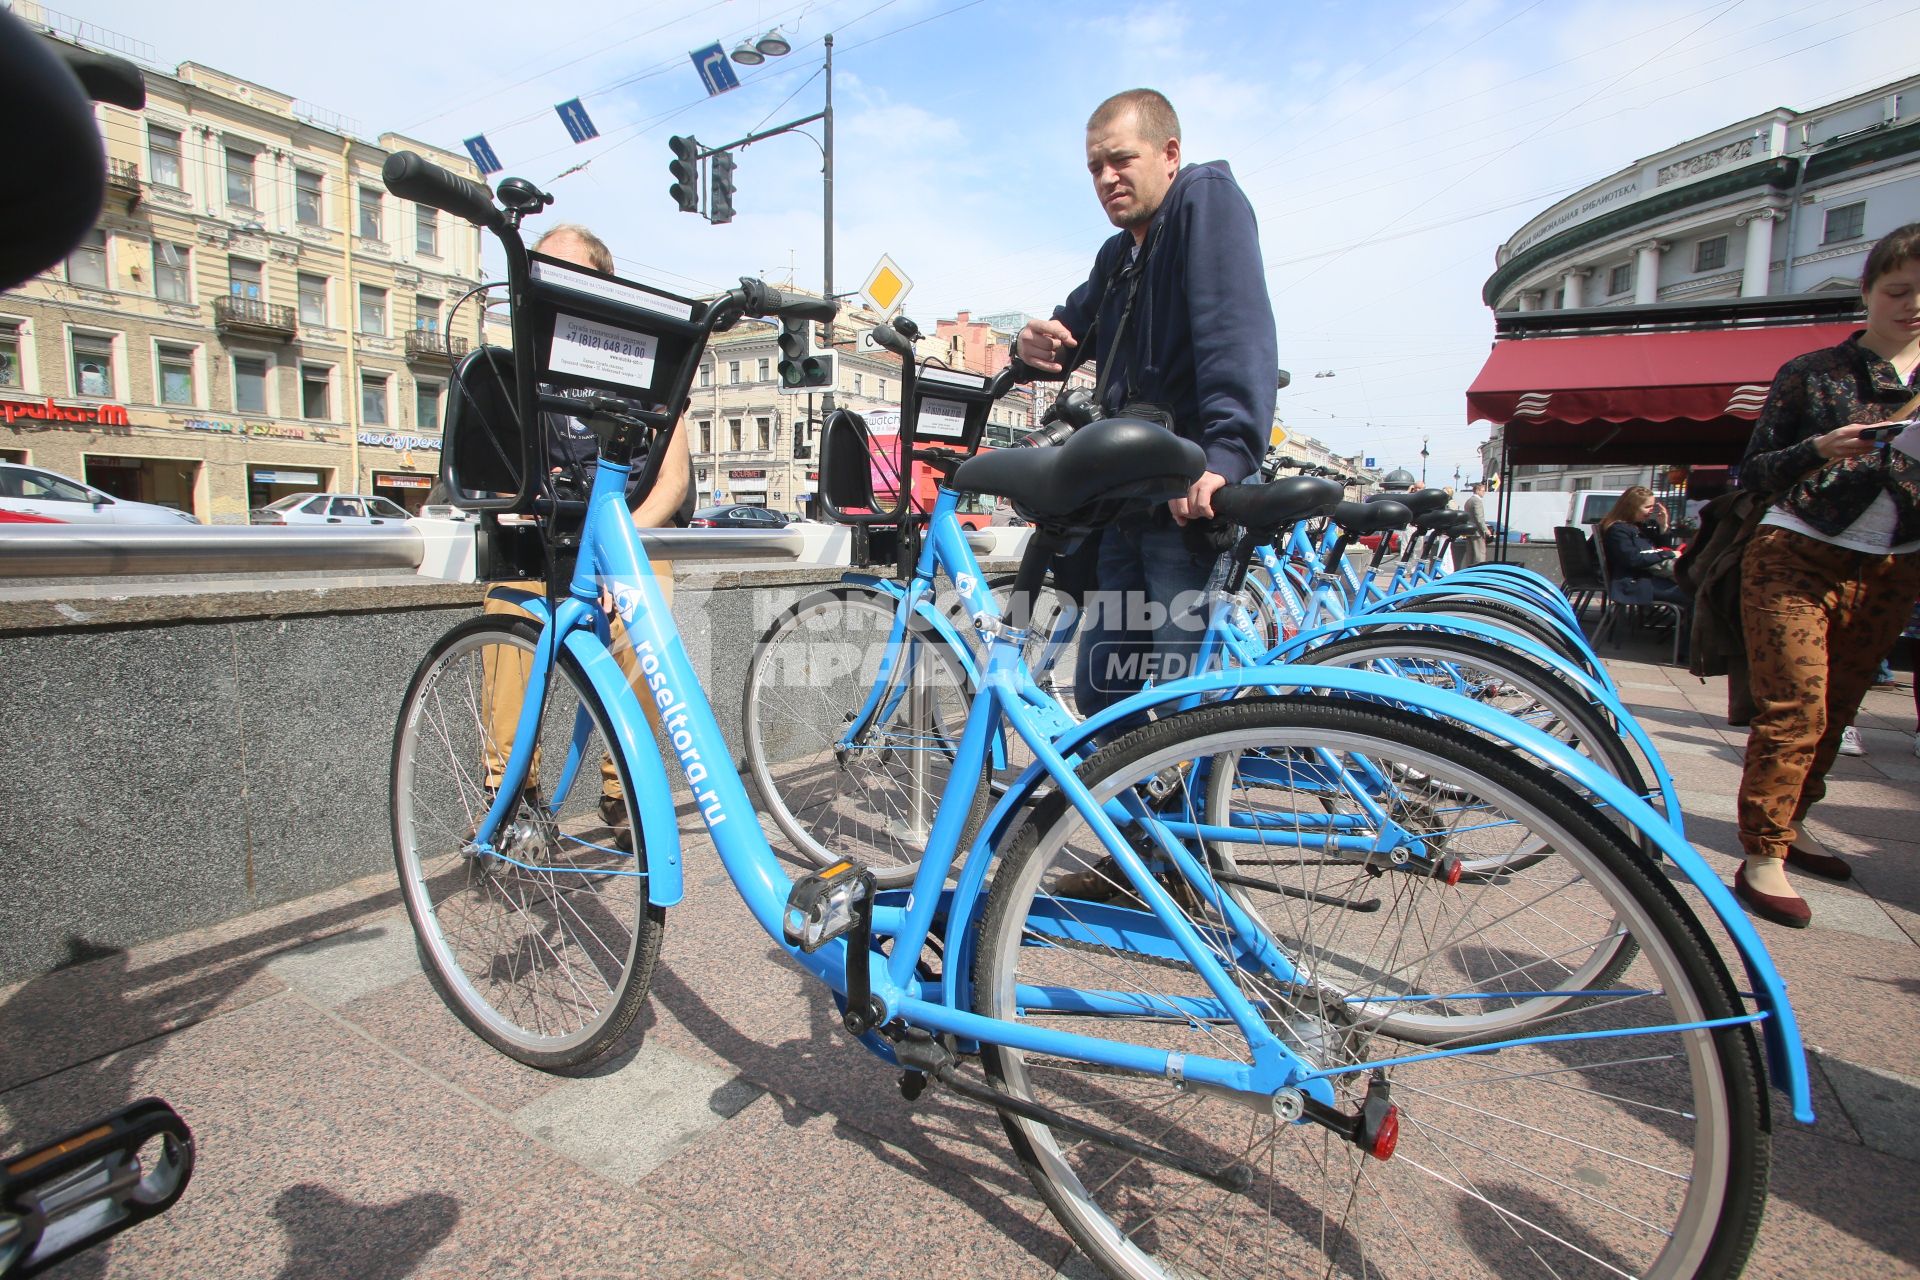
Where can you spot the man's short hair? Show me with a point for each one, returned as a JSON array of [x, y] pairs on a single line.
[[597, 252], [1158, 123]]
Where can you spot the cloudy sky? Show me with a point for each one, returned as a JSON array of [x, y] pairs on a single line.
[[1387, 147]]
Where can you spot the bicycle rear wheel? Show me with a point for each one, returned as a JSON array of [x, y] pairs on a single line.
[[544, 947], [1642, 1155], [840, 789]]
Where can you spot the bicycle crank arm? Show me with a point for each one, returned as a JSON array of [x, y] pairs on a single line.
[[1305, 895]]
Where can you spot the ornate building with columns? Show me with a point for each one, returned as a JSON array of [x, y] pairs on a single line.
[[1787, 202]]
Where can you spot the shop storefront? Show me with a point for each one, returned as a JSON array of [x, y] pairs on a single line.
[[269, 484], [748, 485], [165, 482], [408, 488]]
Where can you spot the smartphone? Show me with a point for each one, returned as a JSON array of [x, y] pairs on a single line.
[[1886, 431]]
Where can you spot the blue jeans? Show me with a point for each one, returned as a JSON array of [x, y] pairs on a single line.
[[1147, 614]]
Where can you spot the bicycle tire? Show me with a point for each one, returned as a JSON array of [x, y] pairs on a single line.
[[564, 940], [1557, 708], [809, 676], [1512, 617], [1566, 1127]]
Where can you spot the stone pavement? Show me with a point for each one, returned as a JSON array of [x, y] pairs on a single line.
[[348, 1126]]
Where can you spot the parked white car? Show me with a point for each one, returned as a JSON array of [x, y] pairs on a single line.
[[329, 509], [36, 491]]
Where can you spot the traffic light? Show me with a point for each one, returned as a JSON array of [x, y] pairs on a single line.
[[685, 168], [720, 206], [801, 367]]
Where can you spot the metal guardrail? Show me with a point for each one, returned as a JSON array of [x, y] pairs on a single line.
[[52, 551]]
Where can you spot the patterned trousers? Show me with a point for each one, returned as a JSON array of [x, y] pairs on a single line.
[[1818, 620]]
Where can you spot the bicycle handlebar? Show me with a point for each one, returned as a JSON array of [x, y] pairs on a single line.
[[412, 177]]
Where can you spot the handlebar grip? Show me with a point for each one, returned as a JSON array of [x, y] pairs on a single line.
[[893, 340], [412, 177], [758, 298]]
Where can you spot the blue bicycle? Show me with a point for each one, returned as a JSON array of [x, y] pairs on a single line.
[[1201, 1074]]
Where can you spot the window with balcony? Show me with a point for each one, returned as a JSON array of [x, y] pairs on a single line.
[[426, 405], [426, 230], [313, 299], [240, 178], [250, 384], [245, 278], [87, 264], [171, 274], [426, 313], [93, 365], [1848, 222], [370, 213], [316, 392], [373, 310], [163, 156], [307, 187], [373, 399], [176, 376], [1710, 255]]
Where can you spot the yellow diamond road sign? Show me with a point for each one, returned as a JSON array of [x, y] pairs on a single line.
[[887, 287]]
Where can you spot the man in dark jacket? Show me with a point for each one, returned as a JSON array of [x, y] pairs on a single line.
[[1176, 317]]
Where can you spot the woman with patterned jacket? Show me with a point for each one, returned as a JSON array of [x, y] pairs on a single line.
[[1829, 578]]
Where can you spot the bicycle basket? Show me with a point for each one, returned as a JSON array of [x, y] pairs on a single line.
[[588, 331]]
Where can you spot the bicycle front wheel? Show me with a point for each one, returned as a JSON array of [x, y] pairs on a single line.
[[1639, 1151], [850, 736], [545, 945]]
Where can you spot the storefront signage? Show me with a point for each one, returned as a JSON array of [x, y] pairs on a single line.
[[259, 430], [392, 440], [55, 416], [752, 480], [285, 477], [401, 481]]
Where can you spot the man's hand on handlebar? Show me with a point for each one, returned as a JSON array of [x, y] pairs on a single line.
[[1198, 504], [1042, 343]]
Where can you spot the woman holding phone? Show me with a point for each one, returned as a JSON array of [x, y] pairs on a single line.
[[1829, 578]]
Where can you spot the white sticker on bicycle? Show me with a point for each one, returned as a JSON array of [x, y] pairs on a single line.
[[593, 350], [944, 418]]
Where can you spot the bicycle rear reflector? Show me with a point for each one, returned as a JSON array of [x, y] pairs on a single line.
[[828, 904]]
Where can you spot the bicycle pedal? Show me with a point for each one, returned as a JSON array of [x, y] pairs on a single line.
[[828, 904]]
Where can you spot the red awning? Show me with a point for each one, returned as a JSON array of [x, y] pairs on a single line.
[[1695, 375]]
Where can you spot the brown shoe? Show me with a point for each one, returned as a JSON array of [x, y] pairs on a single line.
[[1794, 913], [1819, 864]]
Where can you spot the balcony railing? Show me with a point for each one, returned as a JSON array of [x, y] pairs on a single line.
[[123, 175], [434, 347], [233, 314]]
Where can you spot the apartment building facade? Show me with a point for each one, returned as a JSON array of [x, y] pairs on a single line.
[[252, 315]]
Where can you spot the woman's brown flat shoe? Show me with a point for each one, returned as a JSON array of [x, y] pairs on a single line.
[[1819, 864], [1794, 913]]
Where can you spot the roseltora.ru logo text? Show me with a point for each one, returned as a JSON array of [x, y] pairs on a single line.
[[106, 415]]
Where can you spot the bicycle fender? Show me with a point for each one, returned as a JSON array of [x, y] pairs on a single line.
[[941, 624], [1494, 633], [653, 806], [1786, 1055]]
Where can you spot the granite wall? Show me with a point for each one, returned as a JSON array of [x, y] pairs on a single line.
[[177, 754]]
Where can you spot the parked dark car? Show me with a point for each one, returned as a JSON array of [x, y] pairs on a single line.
[[737, 515]]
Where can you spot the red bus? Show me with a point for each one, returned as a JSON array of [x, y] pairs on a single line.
[[976, 512]]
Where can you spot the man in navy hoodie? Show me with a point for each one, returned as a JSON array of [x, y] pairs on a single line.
[[1176, 318]]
